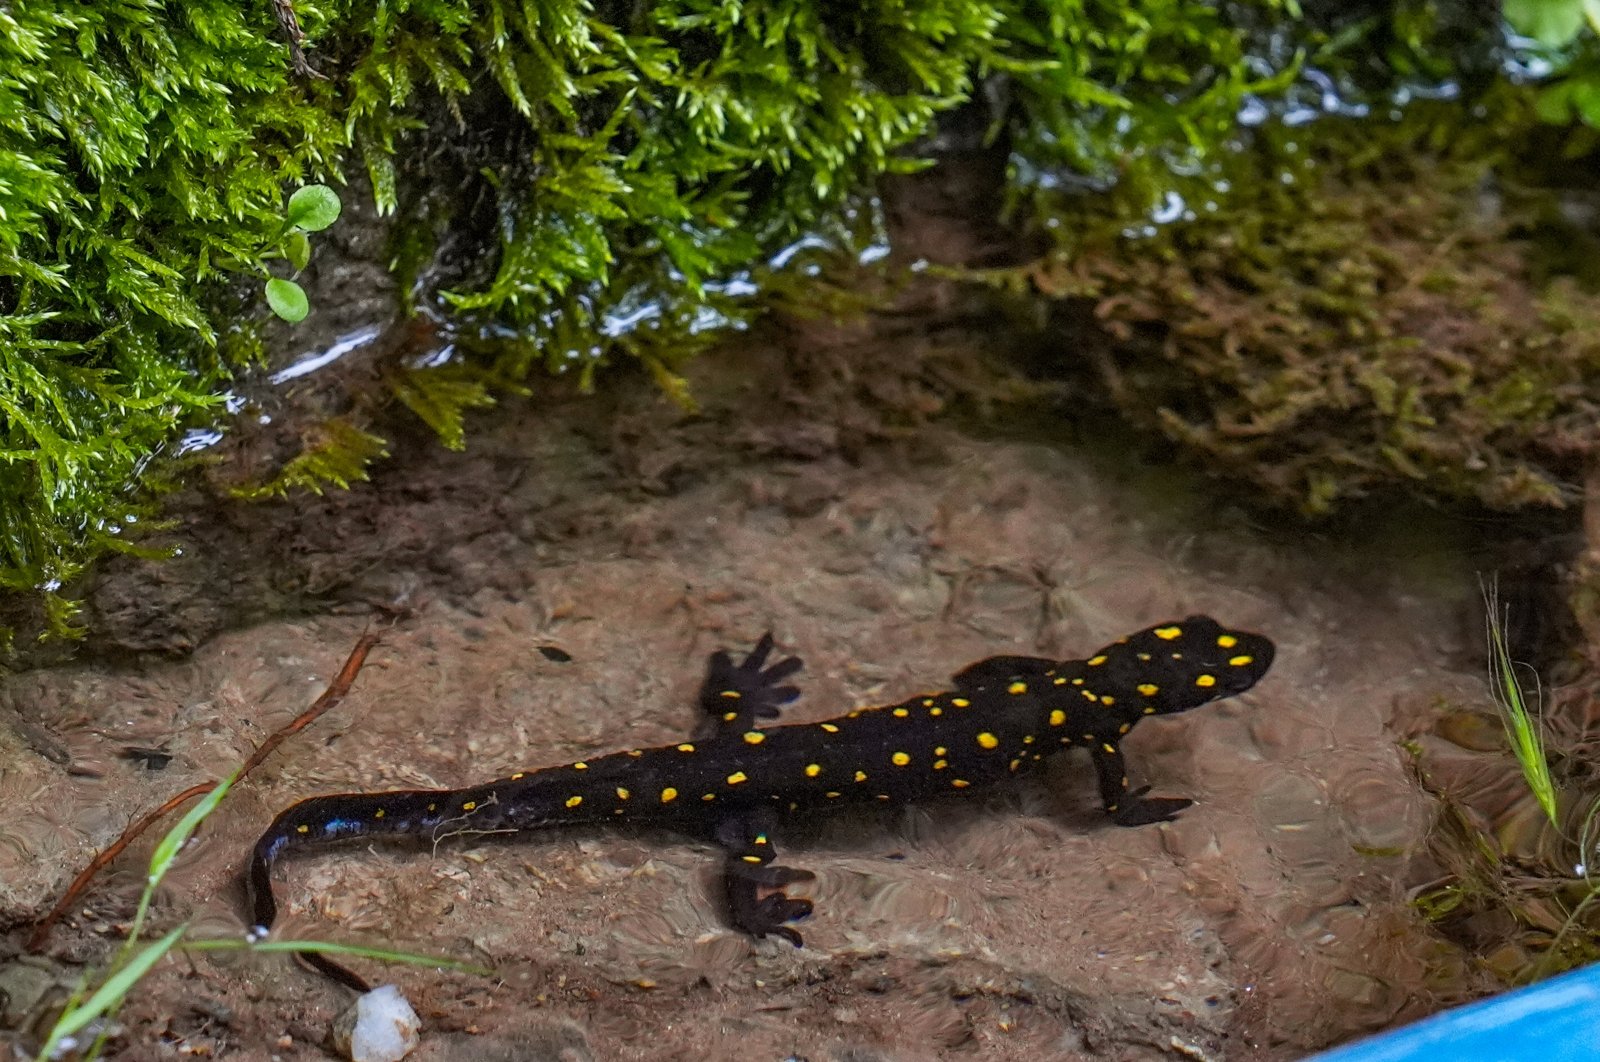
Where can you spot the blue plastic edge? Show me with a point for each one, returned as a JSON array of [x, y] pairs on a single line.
[[1553, 1021]]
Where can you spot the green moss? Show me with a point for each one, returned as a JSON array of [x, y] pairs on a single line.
[[629, 156]]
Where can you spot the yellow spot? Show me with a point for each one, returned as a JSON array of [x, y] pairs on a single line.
[[433, 807], [736, 777], [1061, 681], [469, 805], [517, 777], [754, 737], [1150, 709], [900, 759], [861, 776], [1096, 661], [960, 783], [1227, 641], [668, 795], [1027, 739], [1015, 764], [832, 795], [709, 796], [960, 702], [378, 814], [1108, 700], [1145, 657], [732, 695], [751, 859], [622, 794], [940, 751], [829, 727], [686, 747], [853, 715], [935, 711], [1206, 681], [940, 765], [1058, 717], [927, 702], [728, 717], [302, 829], [1017, 687], [580, 766], [901, 713], [574, 801], [761, 838], [1242, 661], [1109, 748], [635, 753], [1149, 689], [1166, 634], [813, 769], [988, 740], [1077, 682], [1088, 696], [1124, 728]]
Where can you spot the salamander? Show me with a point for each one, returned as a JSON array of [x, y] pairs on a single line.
[[1001, 717]]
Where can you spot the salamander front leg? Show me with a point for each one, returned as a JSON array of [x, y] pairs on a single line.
[[741, 696], [757, 903], [1129, 807]]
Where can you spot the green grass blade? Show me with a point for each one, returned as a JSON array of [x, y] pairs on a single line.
[[1523, 728], [328, 947], [108, 996], [166, 852]]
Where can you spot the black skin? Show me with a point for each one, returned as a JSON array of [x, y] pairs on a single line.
[[1001, 717]]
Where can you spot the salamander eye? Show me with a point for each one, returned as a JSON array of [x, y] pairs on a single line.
[[1173, 667]]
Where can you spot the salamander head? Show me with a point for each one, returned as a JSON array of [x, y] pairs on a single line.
[[1173, 667]]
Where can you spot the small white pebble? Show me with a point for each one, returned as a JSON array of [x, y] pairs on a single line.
[[379, 1027]]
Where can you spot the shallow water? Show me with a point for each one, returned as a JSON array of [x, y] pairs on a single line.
[[1268, 920]]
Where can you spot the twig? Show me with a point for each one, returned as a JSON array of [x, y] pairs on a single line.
[[330, 698], [289, 23]]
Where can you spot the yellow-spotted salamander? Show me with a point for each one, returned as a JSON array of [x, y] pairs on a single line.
[[1002, 717]]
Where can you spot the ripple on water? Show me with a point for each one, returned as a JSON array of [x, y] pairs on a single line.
[[1292, 810], [1378, 811]]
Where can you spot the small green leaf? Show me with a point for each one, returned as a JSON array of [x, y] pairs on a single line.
[[313, 208], [297, 249], [1553, 23], [288, 300]]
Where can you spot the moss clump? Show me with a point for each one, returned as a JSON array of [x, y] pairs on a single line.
[[635, 162], [138, 149], [1361, 313]]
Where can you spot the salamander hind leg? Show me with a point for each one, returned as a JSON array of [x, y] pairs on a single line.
[[757, 903], [739, 696]]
